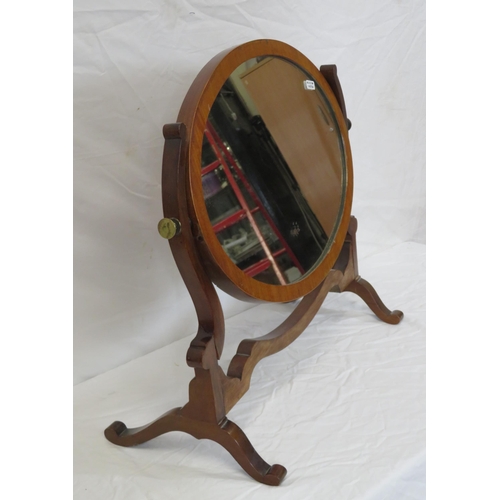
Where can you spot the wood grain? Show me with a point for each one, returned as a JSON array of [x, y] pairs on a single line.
[[329, 71], [184, 250]]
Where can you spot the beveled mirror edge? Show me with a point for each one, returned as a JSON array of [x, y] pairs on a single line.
[[194, 113]]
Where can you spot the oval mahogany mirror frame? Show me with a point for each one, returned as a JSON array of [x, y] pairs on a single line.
[[194, 114]]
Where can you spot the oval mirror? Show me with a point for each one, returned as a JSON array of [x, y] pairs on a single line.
[[269, 169], [273, 170]]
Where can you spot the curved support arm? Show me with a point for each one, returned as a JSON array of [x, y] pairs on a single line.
[[365, 290], [251, 351], [199, 285], [329, 71]]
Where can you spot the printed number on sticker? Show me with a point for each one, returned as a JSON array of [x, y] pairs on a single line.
[[309, 85]]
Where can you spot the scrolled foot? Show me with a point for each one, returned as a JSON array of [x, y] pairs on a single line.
[[235, 441], [118, 433], [365, 290], [114, 431], [275, 475]]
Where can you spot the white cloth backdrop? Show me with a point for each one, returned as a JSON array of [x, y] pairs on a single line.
[[133, 319]]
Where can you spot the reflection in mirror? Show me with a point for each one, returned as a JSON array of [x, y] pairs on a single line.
[[273, 170]]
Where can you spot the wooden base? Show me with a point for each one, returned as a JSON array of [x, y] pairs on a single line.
[[226, 433], [212, 393]]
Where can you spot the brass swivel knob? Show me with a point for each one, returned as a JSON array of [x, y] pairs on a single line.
[[169, 227]]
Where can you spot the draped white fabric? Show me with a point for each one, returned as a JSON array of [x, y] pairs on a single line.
[[343, 407]]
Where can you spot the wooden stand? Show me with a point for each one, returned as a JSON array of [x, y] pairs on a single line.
[[212, 393]]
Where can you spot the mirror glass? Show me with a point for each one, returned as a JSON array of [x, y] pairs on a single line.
[[273, 170]]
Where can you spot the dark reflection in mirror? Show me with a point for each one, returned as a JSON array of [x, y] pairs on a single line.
[[273, 170]]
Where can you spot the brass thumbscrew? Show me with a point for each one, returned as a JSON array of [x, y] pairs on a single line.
[[168, 228]]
